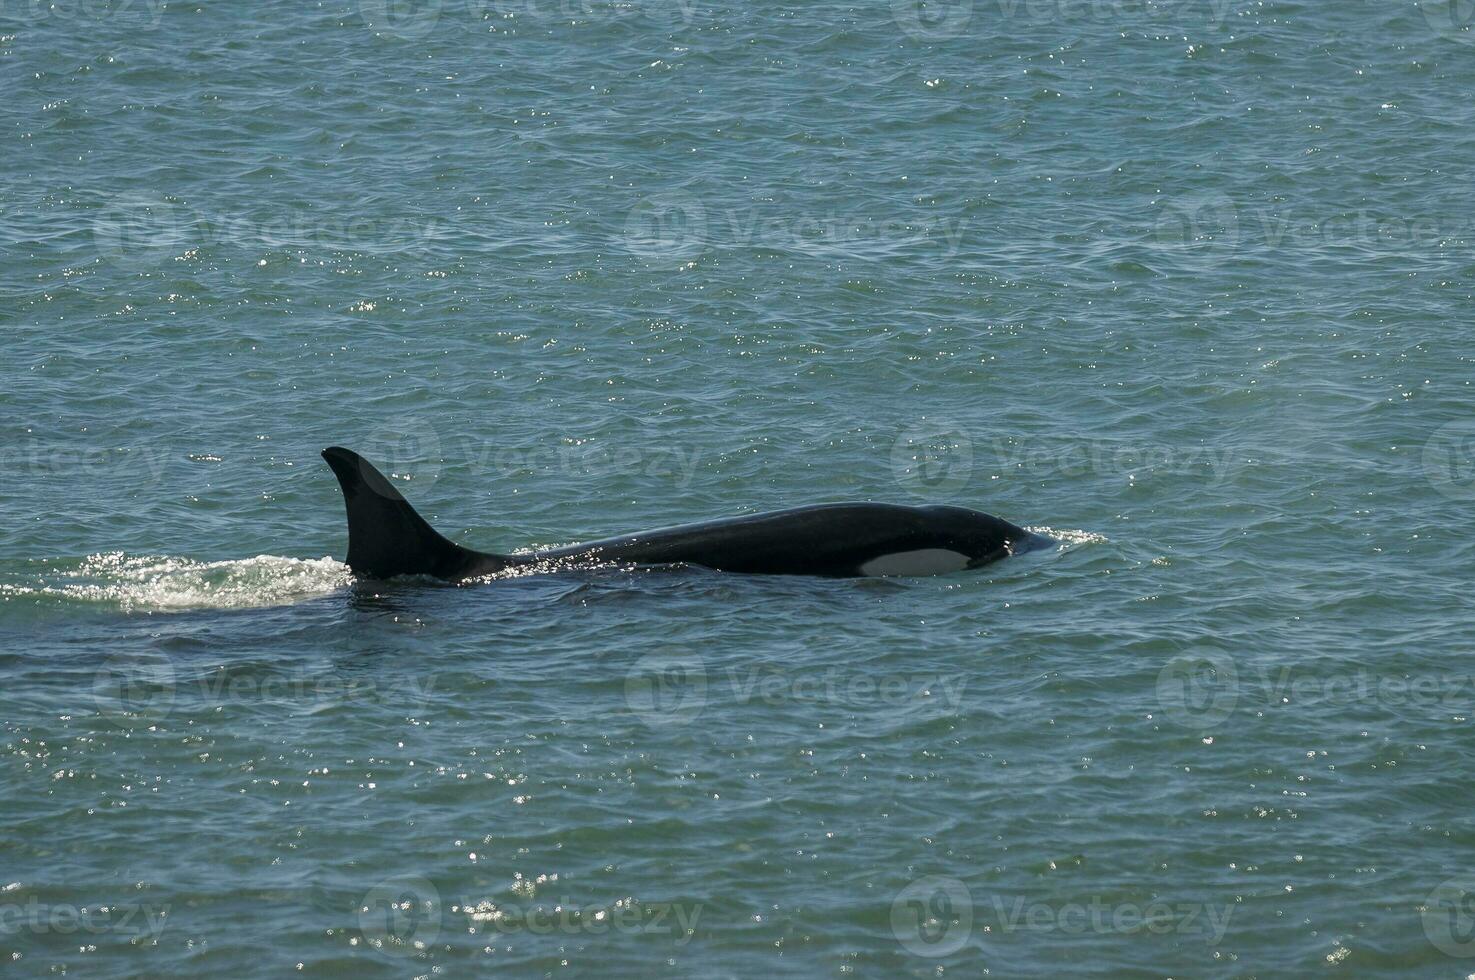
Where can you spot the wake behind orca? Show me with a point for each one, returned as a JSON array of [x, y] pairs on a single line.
[[387, 538]]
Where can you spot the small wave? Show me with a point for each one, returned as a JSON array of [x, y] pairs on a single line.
[[155, 583], [551, 566]]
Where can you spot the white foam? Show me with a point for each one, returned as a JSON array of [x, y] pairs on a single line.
[[153, 583], [1070, 539]]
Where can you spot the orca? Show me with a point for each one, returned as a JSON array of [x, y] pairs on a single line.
[[386, 538]]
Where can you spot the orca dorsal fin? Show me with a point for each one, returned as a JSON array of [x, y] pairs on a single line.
[[385, 536]]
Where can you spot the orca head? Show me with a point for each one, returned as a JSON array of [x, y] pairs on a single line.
[[982, 537]]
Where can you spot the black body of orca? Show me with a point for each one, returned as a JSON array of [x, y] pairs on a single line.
[[387, 538]]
